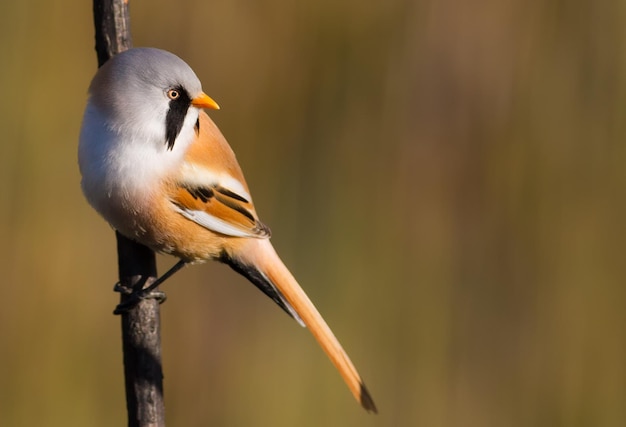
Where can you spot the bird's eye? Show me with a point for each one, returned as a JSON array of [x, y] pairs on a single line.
[[173, 94]]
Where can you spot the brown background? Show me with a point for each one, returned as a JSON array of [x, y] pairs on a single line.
[[445, 178]]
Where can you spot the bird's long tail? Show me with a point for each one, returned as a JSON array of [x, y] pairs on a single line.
[[261, 261]]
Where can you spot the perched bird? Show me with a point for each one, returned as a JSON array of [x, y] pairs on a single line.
[[157, 168]]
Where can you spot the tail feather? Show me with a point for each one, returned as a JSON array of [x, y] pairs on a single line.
[[262, 255], [264, 284]]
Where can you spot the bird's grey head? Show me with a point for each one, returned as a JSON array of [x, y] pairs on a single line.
[[148, 92]]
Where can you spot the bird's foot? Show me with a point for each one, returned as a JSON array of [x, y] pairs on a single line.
[[134, 296]]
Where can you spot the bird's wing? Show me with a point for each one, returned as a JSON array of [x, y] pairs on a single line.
[[211, 191], [210, 188], [219, 209]]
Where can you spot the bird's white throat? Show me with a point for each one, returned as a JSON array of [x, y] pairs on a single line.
[[123, 166]]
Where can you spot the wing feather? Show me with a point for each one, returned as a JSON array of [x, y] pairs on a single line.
[[216, 212], [211, 189]]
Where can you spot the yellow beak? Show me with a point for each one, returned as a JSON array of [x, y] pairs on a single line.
[[204, 101]]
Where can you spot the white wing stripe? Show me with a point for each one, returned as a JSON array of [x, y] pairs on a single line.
[[212, 223]]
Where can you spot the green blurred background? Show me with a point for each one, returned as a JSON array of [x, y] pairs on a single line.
[[445, 178]]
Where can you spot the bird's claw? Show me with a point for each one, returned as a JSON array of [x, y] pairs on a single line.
[[134, 297]]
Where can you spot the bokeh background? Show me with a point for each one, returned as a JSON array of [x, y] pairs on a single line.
[[445, 178]]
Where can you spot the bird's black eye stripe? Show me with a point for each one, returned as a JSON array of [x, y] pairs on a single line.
[[179, 105]]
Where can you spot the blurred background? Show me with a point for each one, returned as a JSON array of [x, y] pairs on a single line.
[[445, 178]]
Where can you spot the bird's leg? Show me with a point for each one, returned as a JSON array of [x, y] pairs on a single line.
[[169, 273], [139, 292]]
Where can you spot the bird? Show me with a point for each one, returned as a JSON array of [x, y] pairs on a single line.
[[159, 171]]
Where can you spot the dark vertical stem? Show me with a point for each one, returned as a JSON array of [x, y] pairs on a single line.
[[141, 337], [112, 23], [141, 331]]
